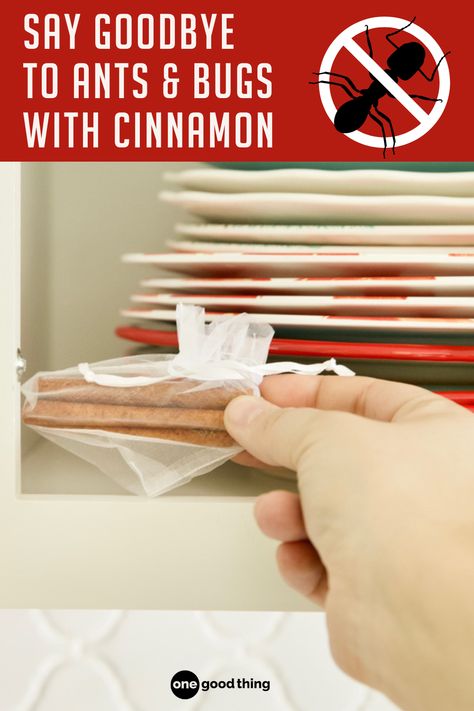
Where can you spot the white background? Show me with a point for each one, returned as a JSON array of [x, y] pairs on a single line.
[[123, 661]]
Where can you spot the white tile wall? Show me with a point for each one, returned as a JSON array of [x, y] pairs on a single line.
[[123, 661]]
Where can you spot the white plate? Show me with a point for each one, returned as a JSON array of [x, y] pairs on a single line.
[[310, 264], [353, 286], [331, 234], [303, 208], [422, 306], [308, 180], [196, 247], [306, 323]]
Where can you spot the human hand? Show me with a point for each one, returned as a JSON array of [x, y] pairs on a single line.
[[382, 533]]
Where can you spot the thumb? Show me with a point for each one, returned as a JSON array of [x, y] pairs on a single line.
[[280, 436]]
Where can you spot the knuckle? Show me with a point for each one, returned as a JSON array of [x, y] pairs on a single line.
[[319, 428], [280, 430], [309, 428]]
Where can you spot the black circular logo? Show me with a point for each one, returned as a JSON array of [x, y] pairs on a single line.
[[184, 684]]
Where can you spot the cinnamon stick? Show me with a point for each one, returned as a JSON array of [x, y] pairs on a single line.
[[179, 392], [205, 438], [54, 413]]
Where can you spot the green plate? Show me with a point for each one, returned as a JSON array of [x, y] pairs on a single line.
[[424, 167]]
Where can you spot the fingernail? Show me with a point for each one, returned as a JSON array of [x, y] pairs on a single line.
[[241, 411]]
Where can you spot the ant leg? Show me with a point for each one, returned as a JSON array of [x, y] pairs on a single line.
[[391, 34], [334, 83], [341, 76], [424, 98], [379, 122], [369, 43], [434, 70], [389, 121]]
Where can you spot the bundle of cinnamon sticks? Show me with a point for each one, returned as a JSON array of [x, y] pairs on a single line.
[[177, 409]]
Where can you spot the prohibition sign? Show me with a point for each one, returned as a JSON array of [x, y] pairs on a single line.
[[345, 40]]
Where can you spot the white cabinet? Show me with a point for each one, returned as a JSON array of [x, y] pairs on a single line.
[[68, 536]]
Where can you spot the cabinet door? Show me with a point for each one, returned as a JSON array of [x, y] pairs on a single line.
[[73, 551]]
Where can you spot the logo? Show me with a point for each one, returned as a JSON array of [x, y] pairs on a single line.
[[185, 684], [389, 79]]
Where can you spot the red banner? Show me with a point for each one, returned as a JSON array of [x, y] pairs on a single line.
[[231, 81]]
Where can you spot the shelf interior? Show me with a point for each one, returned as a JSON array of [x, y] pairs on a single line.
[[49, 470], [77, 221]]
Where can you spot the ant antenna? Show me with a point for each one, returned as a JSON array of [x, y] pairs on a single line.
[[434, 70], [369, 43], [391, 34]]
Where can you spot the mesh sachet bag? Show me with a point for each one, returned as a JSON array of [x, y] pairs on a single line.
[[153, 422]]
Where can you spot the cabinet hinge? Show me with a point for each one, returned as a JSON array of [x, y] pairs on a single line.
[[20, 365]]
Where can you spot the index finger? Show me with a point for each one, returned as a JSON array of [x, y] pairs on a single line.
[[381, 400]]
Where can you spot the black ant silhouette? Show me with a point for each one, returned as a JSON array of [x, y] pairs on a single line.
[[403, 64]]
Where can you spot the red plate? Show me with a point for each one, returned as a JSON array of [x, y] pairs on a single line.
[[325, 349], [462, 397]]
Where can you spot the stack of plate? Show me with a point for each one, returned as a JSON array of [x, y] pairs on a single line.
[[374, 267]]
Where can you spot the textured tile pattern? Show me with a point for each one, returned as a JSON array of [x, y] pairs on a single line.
[[123, 661]]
